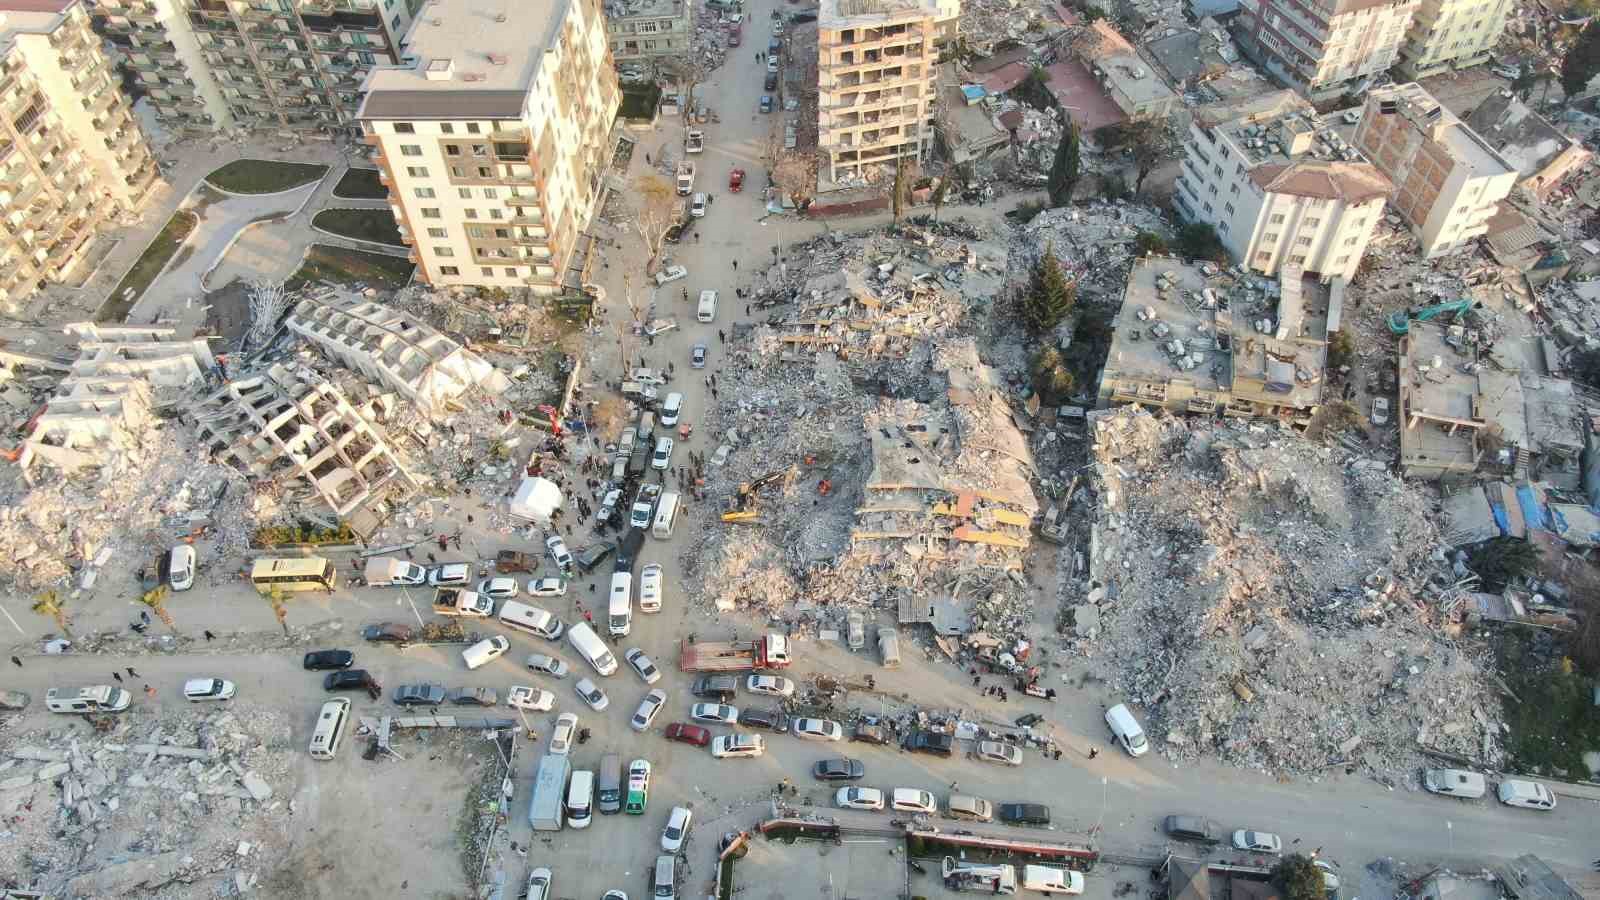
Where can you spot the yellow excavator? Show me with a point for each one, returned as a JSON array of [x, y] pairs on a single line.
[[742, 507]]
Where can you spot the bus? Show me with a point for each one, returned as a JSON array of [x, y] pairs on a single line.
[[306, 573], [330, 729]]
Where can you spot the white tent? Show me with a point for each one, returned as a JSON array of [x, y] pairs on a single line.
[[535, 501]]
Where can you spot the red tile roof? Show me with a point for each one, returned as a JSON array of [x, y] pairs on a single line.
[[1350, 182]]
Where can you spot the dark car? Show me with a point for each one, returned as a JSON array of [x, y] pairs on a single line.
[[348, 680], [419, 695], [628, 550], [720, 688], [869, 733], [1024, 813], [593, 555], [771, 84], [515, 561], [688, 734], [388, 633], [770, 719], [1199, 829], [928, 742], [774, 43], [766, 103], [330, 659], [838, 768], [473, 696], [801, 17]]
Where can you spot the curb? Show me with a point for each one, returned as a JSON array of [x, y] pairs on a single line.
[[275, 218], [182, 208]]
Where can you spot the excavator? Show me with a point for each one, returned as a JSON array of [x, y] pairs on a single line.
[[1400, 322], [743, 506]]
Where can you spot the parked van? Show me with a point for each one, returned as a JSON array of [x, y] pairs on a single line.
[[666, 516], [889, 647], [978, 877], [591, 648], [1051, 880], [531, 620], [610, 793], [620, 618], [672, 409], [1455, 783], [1526, 794], [664, 883], [100, 698], [647, 429], [707, 310], [325, 739], [1125, 730], [913, 800], [484, 652], [580, 799]]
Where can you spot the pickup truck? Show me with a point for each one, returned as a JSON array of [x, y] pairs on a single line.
[[457, 602], [770, 652], [685, 179], [696, 142], [386, 571]]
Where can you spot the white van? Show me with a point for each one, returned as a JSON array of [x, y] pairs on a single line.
[[889, 647], [620, 619], [1526, 794], [707, 310], [666, 516], [591, 648], [1455, 783], [531, 620], [580, 799], [329, 733], [1051, 880], [100, 698], [671, 409], [485, 651], [913, 800], [1126, 731]]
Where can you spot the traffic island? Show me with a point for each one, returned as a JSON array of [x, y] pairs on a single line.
[[360, 184], [372, 226], [150, 263], [264, 176]]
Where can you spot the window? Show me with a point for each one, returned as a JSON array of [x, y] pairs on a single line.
[[417, 171], [410, 150], [443, 251], [471, 213], [491, 194], [1342, 260], [404, 128], [485, 172], [394, 24], [452, 149], [488, 271], [472, 128], [1350, 242], [424, 193], [1228, 207], [511, 271], [1302, 242], [1271, 238], [446, 128], [430, 212], [479, 149], [438, 232], [466, 193], [1313, 222], [1264, 257], [458, 171], [1233, 189], [1222, 228], [1277, 219], [1297, 260], [494, 213], [503, 234]]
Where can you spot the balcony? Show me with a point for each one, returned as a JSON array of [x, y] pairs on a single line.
[[525, 219], [524, 200]]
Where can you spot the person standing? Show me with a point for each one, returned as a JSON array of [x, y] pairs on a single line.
[[117, 676], [17, 662]]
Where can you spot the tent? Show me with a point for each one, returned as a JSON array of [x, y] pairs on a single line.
[[536, 499]]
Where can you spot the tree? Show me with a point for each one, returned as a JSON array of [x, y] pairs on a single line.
[[905, 177], [939, 192], [795, 174], [1582, 62], [1298, 877], [1501, 560], [279, 610], [1148, 242], [1051, 378], [1065, 170], [1049, 296], [657, 213], [1198, 240], [157, 601], [1150, 149], [1341, 349], [50, 604]]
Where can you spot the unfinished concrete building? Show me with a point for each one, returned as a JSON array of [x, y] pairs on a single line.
[[109, 396], [287, 423], [876, 71], [1196, 339], [394, 349], [647, 30]]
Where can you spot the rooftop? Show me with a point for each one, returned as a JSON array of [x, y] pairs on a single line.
[[1521, 136], [1349, 182], [837, 14], [1431, 117], [649, 9], [1129, 74], [1192, 54], [1074, 87], [1277, 129], [29, 17]]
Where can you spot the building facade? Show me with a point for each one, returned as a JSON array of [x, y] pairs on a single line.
[[1452, 34], [494, 142], [1325, 48], [1447, 179], [72, 157], [648, 29], [1281, 189], [292, 64], [876, 83]]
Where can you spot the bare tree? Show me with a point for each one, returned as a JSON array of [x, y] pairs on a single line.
[[795, 174], [905, 178], [268, 303], [656, 215]]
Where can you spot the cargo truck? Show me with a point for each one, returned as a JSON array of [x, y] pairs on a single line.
[[456, 602], [685, 179], [549, 793], [770, 652], [387, 571]]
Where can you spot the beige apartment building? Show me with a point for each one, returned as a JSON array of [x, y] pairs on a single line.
[[1452, 34], [647, 30], [258, 64], [1323, 49], [1447, 179], [71, 155], [876, 68], [494, 142]]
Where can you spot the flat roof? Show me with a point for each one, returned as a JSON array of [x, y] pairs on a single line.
[[1463, 144], [1074, 85], [29, 17], [1179, 315], [1134, 78], [836, 14]]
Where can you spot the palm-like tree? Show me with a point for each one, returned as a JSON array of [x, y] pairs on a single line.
[[50, 604], [275, 597], [157, 601]]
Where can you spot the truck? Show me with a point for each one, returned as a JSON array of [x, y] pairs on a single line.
[[516, 561], [457, 602], [769, 652], [696, 142], [549, 793], [680, 221], [685, 179], [638, 460], [387, 571]]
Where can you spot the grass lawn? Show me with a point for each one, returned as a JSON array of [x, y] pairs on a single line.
[[639, 101], [149, 264], [1553, 718], [361, 184], [263, 176], [336, 264], [361, 224]]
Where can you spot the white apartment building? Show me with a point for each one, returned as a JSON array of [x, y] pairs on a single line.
[[1325, 48], [876, 83], [1447, 179], [648, 29], [71, 155], [494, 142], [1281, 189], [1452, 34]]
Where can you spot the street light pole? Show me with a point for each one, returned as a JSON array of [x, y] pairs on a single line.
[[1103, 789]]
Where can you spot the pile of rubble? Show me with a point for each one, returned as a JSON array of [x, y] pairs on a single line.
[[1094, 242], [1276, 602], [985, 23], [180, 804]]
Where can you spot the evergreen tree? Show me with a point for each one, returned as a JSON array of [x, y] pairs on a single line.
[[1298, 877], [1049, 296], [1064, 171], [1582, 62]]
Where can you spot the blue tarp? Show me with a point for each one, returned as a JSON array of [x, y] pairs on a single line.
[[1532, 511], [1499, 512]]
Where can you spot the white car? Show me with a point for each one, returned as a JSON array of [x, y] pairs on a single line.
[[671, 274], [538, 885], [671, 408], [771, 685], [677, 827], [530, 698], [549, 665], [196, 690], [608, 505], [1257, 841], [1380, 410], [642, 666], [1525, 794], [729, 746], [180, 567], [562, 736], [866, 798], [500, 587], [663, 455], [447, 574], [720, 455], [1000, 753], [650, 578], [698, 207], [649, 708], [772, 64], [558, 552], [548, 586], [591, 694], [717, 713], [818, 730]]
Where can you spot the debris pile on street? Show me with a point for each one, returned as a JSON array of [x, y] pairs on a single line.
[[1279, 603], [1094, 241]]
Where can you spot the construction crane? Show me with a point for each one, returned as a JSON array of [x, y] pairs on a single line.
[[1400, 322]]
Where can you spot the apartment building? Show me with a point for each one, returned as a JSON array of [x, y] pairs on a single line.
[[1280, 187], [1447, 179], [1131, 84], [1452, 34], [494, 142], [1323, 49], [258, 64], [71, 155], [645, 30], [876, 85]]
